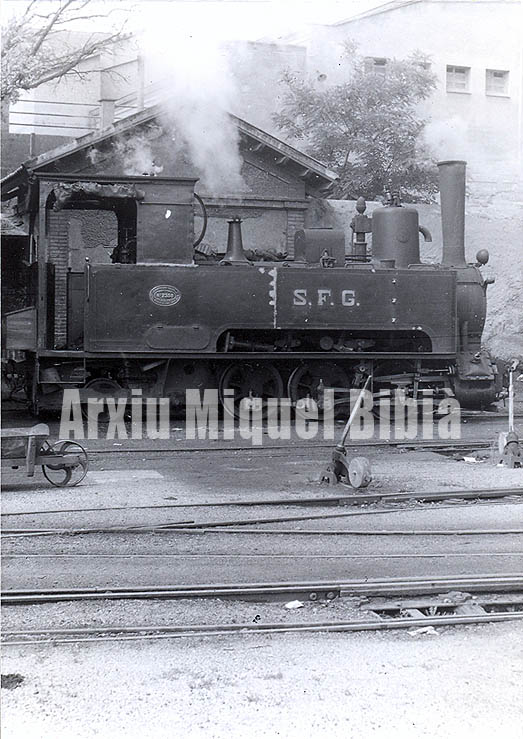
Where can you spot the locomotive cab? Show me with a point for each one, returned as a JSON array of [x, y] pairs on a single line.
[[138, 220]]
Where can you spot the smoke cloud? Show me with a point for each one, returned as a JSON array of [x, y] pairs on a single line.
[[195, 70], [132, 151], [136, 154], [447, 139]]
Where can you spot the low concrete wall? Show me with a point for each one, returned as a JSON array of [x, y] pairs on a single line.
[[498, 228]]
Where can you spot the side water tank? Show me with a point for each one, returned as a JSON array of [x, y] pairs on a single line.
[[395, 234]]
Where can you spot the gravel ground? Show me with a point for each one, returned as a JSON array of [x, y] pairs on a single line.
[[460, 682], [464, 682], [193, 478], [151, 613], [222, 557], [178, 612]]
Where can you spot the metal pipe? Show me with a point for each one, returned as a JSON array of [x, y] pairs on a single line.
[[452, 195], [425, 233], [511, 397], [354, 411]]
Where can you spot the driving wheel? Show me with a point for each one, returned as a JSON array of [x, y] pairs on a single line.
[[254, 380], [304, 384]]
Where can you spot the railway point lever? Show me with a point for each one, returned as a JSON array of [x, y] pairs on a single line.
[[357, 470]]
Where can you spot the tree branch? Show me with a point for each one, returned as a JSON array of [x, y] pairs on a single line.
[[44, 32], [35, 52]]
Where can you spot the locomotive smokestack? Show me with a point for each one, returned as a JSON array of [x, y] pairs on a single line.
[[452, 194]]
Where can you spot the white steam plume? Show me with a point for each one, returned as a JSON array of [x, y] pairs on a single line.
[[447, 139], [198, 93], [136, 155]]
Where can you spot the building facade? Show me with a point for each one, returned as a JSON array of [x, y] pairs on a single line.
[[476, 51], [476, 112]]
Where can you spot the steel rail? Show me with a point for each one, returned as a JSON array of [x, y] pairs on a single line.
[[352, 532], [275, 532], [230, 529], [461, 494], [271, 448], [175, 526], [271, 555], [162, 632], [376, 606], [444, 579], [187, 525], [273, 519], [389, 587]]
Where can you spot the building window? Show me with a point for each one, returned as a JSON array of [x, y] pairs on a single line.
[[458, 79], [376, 65], [496, 82]]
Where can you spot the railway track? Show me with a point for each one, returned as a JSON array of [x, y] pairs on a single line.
[[342, 499], [238, 525], [351, 532], [267, 591], [118, 633], [457, 444], [384, 605], [229, 528], [391, 587]]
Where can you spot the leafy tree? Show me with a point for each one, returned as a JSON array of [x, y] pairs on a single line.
[[366, 128], [36, 49]]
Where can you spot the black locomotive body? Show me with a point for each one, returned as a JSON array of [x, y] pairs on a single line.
[[160, 321]]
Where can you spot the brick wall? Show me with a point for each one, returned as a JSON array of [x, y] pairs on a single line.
[[264, 179], [295, 221], [58, 254], [270, 227], [73, 236], [19, 147]]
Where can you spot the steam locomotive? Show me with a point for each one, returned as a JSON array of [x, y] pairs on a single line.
[[161, 321]]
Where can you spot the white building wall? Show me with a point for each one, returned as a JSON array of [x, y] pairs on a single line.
[[64, 107], [70, 105], [484, 129]]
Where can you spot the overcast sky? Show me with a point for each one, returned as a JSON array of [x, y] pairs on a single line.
[[249, 19]]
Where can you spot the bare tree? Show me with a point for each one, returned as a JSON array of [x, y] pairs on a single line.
[[36, 47]]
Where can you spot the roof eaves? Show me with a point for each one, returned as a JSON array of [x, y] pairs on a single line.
[[91, 139], [285, 149], [143, 116]]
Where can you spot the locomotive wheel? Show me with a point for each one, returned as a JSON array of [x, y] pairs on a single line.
[[105, 388], [251, 379], [304, 381], [61, 475]]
